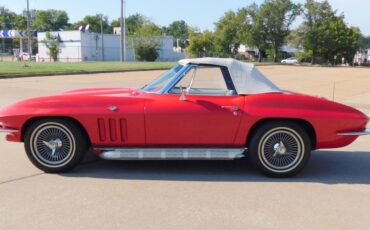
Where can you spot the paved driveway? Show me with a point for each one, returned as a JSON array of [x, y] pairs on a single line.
[[332, 193]]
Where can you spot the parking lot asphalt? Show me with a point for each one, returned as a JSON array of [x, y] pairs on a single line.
[[333, 192]]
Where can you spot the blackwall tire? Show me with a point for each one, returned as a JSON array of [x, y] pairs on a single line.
[[55, 145], [280, 149]]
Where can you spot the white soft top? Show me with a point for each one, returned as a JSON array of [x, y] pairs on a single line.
[[246, 77]]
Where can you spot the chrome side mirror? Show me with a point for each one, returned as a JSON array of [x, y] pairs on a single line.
[[183, 93]]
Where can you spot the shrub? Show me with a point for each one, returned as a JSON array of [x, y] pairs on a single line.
[[146, 52], [146, 49]]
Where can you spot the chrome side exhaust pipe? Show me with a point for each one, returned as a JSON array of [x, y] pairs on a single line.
[[172, 154]]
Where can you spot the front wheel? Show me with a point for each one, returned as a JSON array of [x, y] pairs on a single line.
[[280, 149], [55, 145]]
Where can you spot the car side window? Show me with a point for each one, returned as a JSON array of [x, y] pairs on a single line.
[[204, 80]]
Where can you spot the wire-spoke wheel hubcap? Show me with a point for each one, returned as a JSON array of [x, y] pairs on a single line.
[[53, 145], [281, 150]]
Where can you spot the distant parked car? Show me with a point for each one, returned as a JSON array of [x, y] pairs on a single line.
[[290, 61], [26, 57]]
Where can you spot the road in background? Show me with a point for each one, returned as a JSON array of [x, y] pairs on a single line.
[[332, 193]]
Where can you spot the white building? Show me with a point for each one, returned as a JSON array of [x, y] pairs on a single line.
[[249, 53], [362, 57], [76, 46]]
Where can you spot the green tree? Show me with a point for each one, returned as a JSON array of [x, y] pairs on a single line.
[[5, 17], [227, 34], [8, 21], [201, 44], [11, 20], [254, 33], [297, 36], [115, 23], [277, 17], [50, 20], [327, 35], [338, 40], [133, 23], [179, 30], [149, 29], [364, 42], [146, 42], [144, 34], [317, 17], [20, 22], [52, 43], [95, 23]]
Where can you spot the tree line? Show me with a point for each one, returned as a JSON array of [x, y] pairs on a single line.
[[322, 36]]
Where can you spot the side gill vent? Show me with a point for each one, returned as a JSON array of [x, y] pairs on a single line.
[[123, 126], [112, 130], [102, 132]]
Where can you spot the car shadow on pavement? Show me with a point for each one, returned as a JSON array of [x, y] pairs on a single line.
[[327, 167]]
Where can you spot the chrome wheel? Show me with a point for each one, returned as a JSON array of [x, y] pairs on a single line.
[[52, 145], [281, 149]]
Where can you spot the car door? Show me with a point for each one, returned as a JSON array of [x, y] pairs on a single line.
[[209, 115]]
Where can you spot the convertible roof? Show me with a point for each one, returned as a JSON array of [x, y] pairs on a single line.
[[246, 77]]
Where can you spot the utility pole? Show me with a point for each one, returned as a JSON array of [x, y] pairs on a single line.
[[122, 36], [102, 36], [29, 35], [3, 39], [124, 30]]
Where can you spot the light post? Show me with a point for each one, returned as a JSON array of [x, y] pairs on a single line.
[[102, 36], [3, 39], [29, 29], [123, 34], [124, 30]]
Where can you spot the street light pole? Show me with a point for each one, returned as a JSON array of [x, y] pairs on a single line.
[[102, 36], [3, 39], [122, 35], [124, 30], [29, 29]]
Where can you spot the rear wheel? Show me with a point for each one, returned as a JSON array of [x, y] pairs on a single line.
[[55, 145], [280, 149]]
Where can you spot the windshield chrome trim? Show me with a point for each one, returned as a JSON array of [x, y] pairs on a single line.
[[176, 79], [164, 89]]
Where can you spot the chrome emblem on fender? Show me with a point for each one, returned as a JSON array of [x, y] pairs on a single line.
[[113, 108]]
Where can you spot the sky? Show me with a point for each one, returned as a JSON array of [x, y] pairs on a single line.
[[198, 13]]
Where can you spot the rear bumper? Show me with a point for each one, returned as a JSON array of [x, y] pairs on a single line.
[[360, 133]]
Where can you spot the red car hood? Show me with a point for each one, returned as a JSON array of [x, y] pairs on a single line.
[[98, 91], [81, 98]]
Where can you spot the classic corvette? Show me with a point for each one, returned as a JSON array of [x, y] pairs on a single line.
[[207, 108]]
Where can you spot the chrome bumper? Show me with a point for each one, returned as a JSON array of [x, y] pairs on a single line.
[[361, 133], [6, 130]]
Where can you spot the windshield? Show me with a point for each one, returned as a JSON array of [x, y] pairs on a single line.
[[158, 84]]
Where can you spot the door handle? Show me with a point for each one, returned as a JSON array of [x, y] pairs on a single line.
[[234, 108]]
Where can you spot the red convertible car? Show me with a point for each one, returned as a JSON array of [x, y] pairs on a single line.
[[208, 108]]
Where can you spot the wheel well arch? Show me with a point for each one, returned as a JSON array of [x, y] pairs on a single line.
[[308, 127], [34, 119]]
